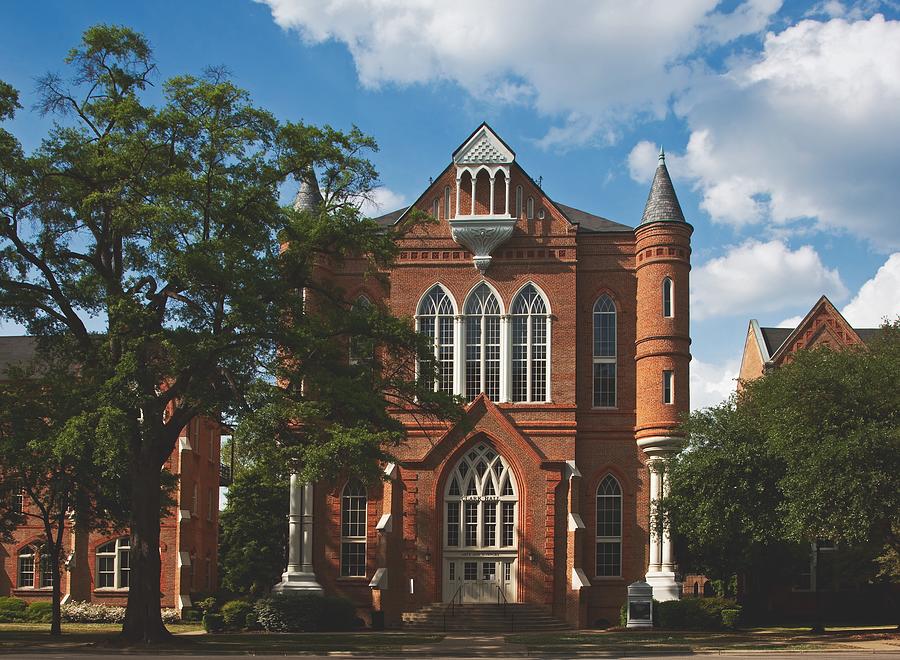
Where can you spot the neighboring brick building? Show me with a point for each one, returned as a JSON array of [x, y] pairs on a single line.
[[569, 335], [97, 563]]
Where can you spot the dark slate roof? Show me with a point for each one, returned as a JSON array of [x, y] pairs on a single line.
[[775, 337], [308, 195], [662, 202], [590, 222], [389, 219], [15, 350]]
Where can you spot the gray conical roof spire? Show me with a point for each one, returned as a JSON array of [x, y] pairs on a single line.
[[662, 203], [308, 196]]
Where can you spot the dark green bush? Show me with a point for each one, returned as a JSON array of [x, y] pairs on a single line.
[[8, 604], [191, 614], [235, 613], [693, 613], [40, 611], [213, 623], [730, 618], [207, 606], [305, 613]]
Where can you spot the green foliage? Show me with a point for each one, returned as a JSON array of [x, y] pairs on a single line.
[[213, 623], [40, 611], [207, 605], [305, 613], [12, 610], [191, 614], [694, 613], [253, 547], [730, 618], [769, 471], [235, 612]]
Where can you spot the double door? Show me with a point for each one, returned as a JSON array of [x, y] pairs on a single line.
[[480, 579]]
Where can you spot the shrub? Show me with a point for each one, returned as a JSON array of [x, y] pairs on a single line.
[[730, 618], [305, 613], [170, 615], [208, 605], [694, 613], [84, 612], [191, 614], [235, 613], [213, 623], [8, 604], [40, 611]]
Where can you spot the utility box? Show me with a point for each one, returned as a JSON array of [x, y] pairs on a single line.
[[640, 605]]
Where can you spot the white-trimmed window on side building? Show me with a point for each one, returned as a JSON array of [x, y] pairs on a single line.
[[604, 375], [435, 320], [114, 564], [34, 569], [529, 346], [609, 528], [353, 530], [668, 386]]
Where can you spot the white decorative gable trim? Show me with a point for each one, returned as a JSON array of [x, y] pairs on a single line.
[[484, 147]]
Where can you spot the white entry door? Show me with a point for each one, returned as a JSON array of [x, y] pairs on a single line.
[[488, 580]]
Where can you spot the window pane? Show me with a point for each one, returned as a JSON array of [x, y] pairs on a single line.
[[26, 568], [520, 358], [508, 523], [538, 358], [473, 356], [605, 384], [453, 523], [471, 523], [470, 570], [609, 558], [489, 533], [353, 559]]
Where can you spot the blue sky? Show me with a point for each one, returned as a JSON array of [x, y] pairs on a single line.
[[780, 119]]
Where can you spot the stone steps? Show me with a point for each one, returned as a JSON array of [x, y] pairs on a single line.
[[478, 617]]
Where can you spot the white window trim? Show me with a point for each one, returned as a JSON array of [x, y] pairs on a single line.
[[608, 539], [461, 358], [605, 359], [355, 540], [455, 341], [507, 374], [121, 545]]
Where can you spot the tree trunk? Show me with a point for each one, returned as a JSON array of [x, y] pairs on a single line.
[[143, 618]]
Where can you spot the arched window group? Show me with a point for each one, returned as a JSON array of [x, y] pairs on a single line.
[[609, 528], [353, 530], [505, 356], [34, 568], [604, 376], [114, 564]]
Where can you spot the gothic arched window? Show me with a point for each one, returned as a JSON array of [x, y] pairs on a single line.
[[482, 343], [529, 346], [353, 530], [667, 291], [609, 528], [604, 375], [435, 320]]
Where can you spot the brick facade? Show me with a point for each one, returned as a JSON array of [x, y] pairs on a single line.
[[559, 450]]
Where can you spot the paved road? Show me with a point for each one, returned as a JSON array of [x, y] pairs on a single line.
[[800, 655]]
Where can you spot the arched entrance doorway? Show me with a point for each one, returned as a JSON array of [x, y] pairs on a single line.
[[481, 502]]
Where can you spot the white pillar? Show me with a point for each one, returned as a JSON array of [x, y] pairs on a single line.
[[505, 359], [459, 354], [300, 575], [472, 210], [491, 212], [548, 396], [668, 563], [506, 206], [457, 196], [654, 566]]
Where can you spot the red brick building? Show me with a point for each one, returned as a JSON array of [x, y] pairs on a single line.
[[569, 336], [97, 564]]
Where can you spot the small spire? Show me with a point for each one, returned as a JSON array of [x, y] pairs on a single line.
[[662, 155], [308, 195], [662, 203]]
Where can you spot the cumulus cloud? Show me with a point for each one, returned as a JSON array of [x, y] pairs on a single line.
[[381, 200], [878, 299], [712, 383], [593, 65], [791, 322], [756, 277], [804, 133]]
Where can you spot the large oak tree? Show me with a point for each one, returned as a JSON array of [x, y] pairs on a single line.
[[164, 224]]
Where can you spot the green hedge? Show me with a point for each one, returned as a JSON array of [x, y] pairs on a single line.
[[305, 613], [697, 614], [213, 623], [40, 611], [235, 613], [12, 610]]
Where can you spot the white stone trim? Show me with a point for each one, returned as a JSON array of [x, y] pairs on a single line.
[[579, 579], [380, 579], [385, 524], [575, 522]]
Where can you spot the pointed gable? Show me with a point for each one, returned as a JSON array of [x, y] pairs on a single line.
[[823, 325], [485, 147]]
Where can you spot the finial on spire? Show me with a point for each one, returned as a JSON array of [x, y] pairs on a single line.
[[662, 155]]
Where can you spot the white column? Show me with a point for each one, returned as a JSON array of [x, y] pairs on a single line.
[[459, 354], [654, 537], [668, 563], [506, 206], [457, 196], [549, 396], [300, 575], [505, 359], [491, 212], [472, 210]]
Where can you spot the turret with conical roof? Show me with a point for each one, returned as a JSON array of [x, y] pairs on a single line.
[[308, 196], [662, 202]]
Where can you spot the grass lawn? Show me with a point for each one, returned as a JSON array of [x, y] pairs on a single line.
[[88, 636], [671, 641]]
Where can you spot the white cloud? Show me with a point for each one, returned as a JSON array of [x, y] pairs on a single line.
[[878, 298], [806, 130], [755, 277], [791, 322], [594, 63], [381, 200], [712, 383]]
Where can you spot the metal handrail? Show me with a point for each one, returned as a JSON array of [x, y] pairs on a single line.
[[506, 610], [451, 608]]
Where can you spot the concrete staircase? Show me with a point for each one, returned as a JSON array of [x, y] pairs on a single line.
[[480, 617]]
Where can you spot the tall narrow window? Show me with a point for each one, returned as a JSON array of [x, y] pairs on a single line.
[[529, 346], [667, 287], [19, 502], [609, 528], [604, 353], [447, 202], [114, 564], [353, 530], [27, 557], [530, 212], [435, 319], [436, 208], [668, 386], [518, 201], [483, 344], [362, 349]]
